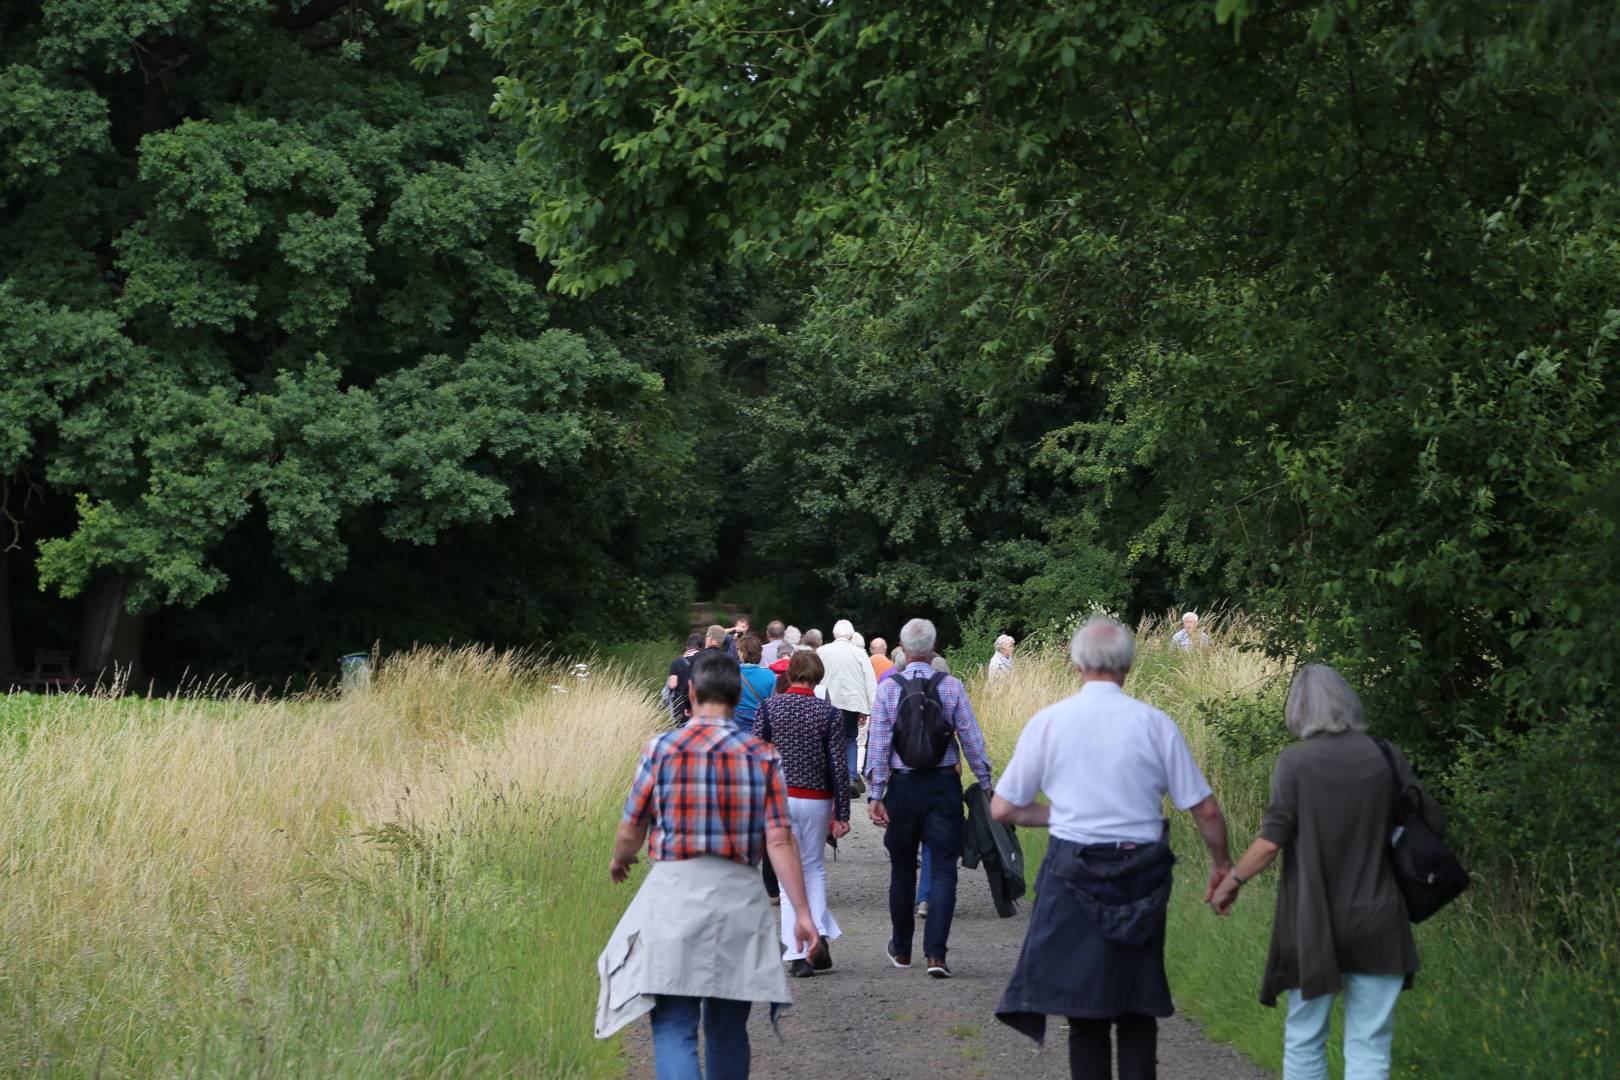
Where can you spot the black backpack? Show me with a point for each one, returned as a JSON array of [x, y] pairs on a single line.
[[1426, 870], [922, 733]]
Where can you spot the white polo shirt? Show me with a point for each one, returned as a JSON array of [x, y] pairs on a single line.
[[1106, 762]]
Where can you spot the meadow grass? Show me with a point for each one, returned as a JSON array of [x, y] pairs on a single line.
[[1493, 999], [406, 882]]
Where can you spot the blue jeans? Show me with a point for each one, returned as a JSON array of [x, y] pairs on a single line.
[[675, 1038], [1369, 1026], [924, 808]]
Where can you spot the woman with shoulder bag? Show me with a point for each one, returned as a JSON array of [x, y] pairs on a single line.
[[1341, 925]]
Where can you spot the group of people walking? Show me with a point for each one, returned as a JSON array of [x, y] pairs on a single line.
[[760, 768]]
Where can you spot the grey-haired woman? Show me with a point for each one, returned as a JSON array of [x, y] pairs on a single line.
[[1341, 925]]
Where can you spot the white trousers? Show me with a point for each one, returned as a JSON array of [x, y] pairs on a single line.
[[810, 819], [1369, 1026]]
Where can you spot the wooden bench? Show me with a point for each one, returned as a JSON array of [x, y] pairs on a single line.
[[51, 671]]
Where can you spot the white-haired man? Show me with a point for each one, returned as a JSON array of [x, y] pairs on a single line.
[[849, 685], [1189, 636], [922, 727], [1094, 951]]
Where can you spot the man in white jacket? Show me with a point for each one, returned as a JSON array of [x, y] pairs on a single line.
[[849, 686]]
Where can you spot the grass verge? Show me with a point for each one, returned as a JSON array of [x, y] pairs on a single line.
[[1494, 999], [406, 882]]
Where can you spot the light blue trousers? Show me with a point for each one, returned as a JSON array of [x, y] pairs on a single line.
[[1369, 1024]]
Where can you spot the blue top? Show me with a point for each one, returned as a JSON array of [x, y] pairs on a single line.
[[758, 684]]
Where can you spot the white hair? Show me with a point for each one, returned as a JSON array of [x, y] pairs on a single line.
[[917, 636], [858, 641], [899, 658], [1004, 639], [1320, 702], [843, 628], [1102, 645], [791, 635], [1193, 615]]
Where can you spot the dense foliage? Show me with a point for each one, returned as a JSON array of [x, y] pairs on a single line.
[[266, 322], [1309, 306]]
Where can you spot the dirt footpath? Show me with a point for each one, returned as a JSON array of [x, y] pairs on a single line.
[[866, 1020]]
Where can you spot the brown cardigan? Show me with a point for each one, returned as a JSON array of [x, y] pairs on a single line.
[[1338, 908]]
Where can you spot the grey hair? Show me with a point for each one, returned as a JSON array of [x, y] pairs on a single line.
[[812, 638], [1103, 645], [899, 657], [843, 628], [1320, 702], [791, 635], [918, 636], [1005, 639]]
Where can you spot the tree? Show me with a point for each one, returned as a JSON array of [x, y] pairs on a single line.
[[255, 274], [1343, 272]]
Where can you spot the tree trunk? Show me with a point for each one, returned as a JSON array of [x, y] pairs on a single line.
[[8, 652], [110, 637]]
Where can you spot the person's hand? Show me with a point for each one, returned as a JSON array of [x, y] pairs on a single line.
[[620, 871], [1217, 874], [804, 932], [879, 815], [1224, 895], [839, 830]]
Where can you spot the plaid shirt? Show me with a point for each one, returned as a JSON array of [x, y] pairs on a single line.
[[881, 760], [708, 789]]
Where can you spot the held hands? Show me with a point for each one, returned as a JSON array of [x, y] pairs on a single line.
[[879, 815], [1224, 894], [620, 871], [839, 829]]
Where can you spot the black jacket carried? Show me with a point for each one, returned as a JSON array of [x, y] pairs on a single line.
[[996, 845]]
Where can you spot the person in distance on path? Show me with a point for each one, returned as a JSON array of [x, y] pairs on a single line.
[[922, 726], [680, 670], [849, 685], [880, 657], [698, 942], [774, 644], [1094, 951]]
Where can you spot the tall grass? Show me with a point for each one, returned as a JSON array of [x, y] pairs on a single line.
[[404, 882], [1493, 999]]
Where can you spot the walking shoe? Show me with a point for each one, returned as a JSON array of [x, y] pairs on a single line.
[[938, 968], [922, 909], [899, 960], [800, 969], [821, 959], [856, 787]]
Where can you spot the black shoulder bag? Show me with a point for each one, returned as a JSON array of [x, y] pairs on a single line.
[[1426, 869]]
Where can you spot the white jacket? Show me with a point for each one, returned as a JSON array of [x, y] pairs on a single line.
[[849, 681]]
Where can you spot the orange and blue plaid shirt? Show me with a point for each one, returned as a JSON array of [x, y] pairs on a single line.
[[708, 789]]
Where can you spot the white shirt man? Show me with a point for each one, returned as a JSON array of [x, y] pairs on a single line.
[[1189, 635], [849, 681]]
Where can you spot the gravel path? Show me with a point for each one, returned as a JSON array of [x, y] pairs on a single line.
[[866, 1020]]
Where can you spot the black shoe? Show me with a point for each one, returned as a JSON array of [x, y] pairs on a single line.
[[938, 968], [899, 960], [801, 969], [821, 959]]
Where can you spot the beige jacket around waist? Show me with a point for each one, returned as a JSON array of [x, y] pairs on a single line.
[[699, 928]]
